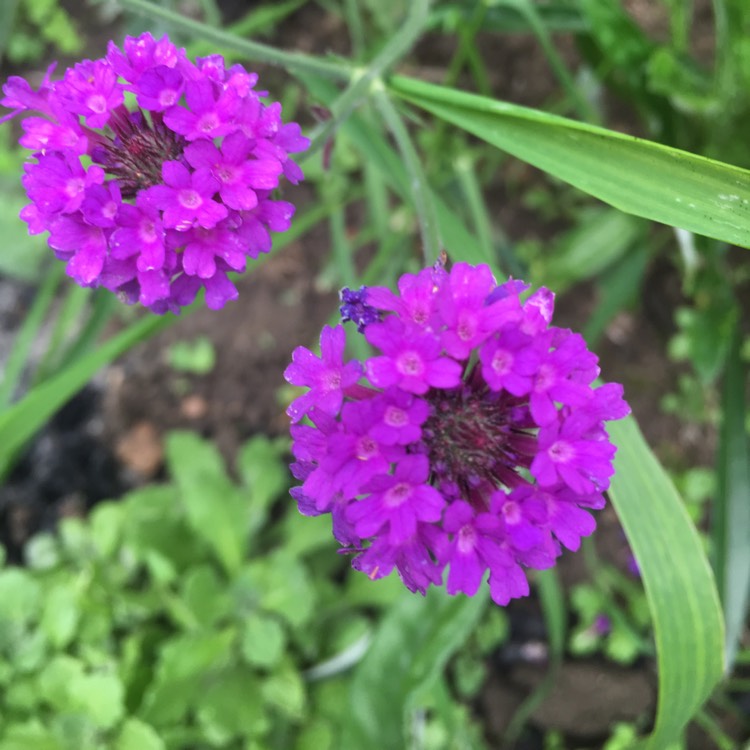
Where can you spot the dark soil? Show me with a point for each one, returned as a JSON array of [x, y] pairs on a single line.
[[109, 438]]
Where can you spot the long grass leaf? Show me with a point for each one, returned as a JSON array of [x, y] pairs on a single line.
[[640, 177], [731, 517], [682, 595]]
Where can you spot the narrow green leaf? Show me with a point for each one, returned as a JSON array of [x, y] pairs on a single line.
[[19, 356], [634, 175], [731, 516], [407, 656], [680, 588], [619, 286], [19, 423]]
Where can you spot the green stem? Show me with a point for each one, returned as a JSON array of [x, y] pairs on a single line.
[[711, 727], [363, 79], [466, 36], [294, 62], [423, 204], [472, 193], [355, 26], [528, 10]]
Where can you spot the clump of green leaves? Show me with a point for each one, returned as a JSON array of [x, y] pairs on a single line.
[[174, 618], [207, 613]]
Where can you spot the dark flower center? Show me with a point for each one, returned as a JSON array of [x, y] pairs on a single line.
[[477, 440], [134, 156]]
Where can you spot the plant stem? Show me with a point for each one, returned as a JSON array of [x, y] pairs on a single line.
[[362, 79], [420, 189]]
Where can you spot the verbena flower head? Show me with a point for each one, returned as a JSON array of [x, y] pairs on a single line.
[[473, 440], [152, 174]]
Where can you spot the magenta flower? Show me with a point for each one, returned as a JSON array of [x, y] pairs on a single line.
[[326, 376], [471, 441], [158, 201]]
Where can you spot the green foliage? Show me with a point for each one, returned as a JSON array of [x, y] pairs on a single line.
[[40, 24], [197, 356], [625, 637], [176, 618]]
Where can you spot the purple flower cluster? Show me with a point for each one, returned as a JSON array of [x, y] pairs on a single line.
[[152, 174], [473, 439]]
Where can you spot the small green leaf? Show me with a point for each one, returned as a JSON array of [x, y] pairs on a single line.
[[42, 552], [54, 680], [216, 510], [20, 596], [31, 651], [285, 691], [137, 735], [106, 521], [100, 696], [197, 356], [266, 476], [60, 614], [186, 665], [278, 584], [231, 707], [204, 594], [262, 641]]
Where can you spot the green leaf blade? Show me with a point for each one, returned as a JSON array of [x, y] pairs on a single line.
[[634, 175], [731, 516], [682, 595]]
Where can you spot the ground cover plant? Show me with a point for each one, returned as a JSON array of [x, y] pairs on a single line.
[[459, 169]]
